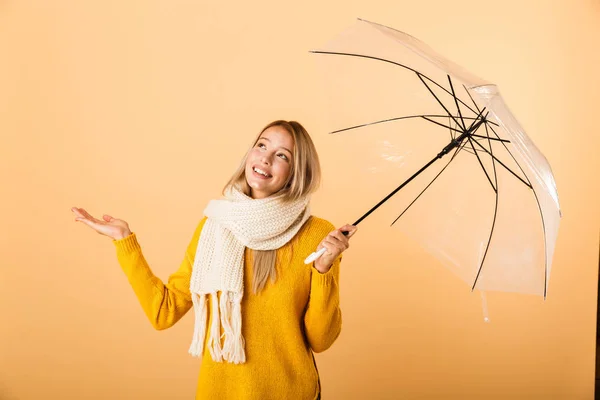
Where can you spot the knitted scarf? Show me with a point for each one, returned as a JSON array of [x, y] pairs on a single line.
[[235, 222]]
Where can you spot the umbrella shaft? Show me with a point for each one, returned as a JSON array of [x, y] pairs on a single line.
[[397, 189], [453, 144]]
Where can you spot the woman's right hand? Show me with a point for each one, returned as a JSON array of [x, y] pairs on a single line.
[[108, 226]]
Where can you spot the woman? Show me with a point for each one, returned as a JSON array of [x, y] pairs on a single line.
[[260, 312]]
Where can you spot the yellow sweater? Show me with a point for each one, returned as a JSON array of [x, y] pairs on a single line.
[[283, 325]]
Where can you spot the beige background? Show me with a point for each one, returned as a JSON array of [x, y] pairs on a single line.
[[142, 109]]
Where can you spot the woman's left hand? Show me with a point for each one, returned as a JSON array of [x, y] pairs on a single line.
[[335, 243]]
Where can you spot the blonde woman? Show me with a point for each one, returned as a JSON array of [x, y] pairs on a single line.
[[260, 312]]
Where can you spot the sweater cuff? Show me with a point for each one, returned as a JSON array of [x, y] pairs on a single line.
[[128, 244], [323, 279]]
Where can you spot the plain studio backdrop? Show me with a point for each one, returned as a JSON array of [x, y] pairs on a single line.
[[143, 109]]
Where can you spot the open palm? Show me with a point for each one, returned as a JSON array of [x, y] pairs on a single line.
[[108, 226]]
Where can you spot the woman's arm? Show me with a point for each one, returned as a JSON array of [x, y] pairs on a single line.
[[323, 317], [163, 304]]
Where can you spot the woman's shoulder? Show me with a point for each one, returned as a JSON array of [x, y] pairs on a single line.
[[316, 227], [320, 222], [199, 226], [311, 234]]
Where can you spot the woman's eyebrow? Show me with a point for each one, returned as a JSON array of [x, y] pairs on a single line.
[[284, 148]]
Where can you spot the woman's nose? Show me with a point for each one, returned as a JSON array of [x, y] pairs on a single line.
[[266, 158]]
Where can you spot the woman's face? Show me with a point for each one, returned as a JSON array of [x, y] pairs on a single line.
[[269, 162]]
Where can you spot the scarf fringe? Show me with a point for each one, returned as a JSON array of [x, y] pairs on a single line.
[[200, 311], [231, 319], [225, 308], [214, 343], [227, 312]]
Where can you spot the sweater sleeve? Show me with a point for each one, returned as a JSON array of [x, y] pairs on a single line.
[[163, 304], [323, 317]]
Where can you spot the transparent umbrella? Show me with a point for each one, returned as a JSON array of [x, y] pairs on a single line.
[[452, 166]]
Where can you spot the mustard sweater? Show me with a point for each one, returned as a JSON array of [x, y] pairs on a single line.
[[282, 326]]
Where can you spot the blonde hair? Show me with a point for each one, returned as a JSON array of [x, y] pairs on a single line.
[[304, 179]]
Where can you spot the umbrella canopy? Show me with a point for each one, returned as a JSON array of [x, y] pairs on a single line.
[[443, 158]]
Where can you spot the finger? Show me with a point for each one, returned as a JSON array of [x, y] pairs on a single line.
[[339, 236], [82, 215], [79, 211], [329, 248], [86, 221], [351, 229], [337, 233], [333, 239], [333, 246], [107, 218], [87, 215]]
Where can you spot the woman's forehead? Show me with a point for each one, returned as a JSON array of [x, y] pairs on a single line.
[[278, 136]]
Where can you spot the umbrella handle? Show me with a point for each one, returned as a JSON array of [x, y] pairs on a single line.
[[314, 256], [319, 253]]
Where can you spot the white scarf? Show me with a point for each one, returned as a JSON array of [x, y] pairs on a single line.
[[235, 222]]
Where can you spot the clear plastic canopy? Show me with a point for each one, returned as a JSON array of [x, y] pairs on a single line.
[[487, 209]]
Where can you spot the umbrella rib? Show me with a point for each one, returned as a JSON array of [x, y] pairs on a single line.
[[433, 180], [495, 215], [450, 132], [481, 163], [488, 242], [469, 94], [445, 90], [396, 119], [442, 125], [438, 100], [537, 200], [335, 53], [466, 118], [456, 102], [501, 163], [513, 157], [545, 250], [386, 120], [491, 138]]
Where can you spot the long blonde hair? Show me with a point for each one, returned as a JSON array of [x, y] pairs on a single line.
[[304, 179]]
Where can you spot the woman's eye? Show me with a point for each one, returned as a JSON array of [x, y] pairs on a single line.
[[283, 156], [261, 145]]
